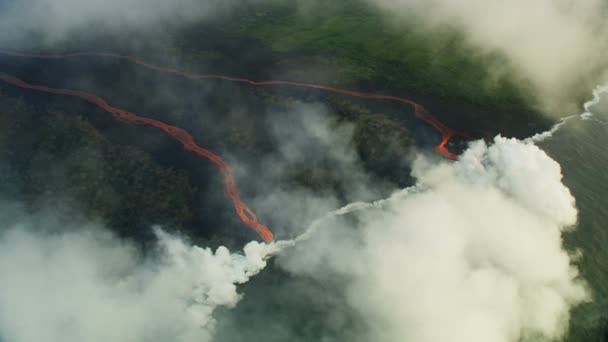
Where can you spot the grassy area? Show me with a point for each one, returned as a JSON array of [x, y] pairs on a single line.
[[360, 47]]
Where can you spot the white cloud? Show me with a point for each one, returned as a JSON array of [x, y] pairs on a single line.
[[553, 43], [474, 254], [89, 286]]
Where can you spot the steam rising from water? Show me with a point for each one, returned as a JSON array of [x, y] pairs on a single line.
[[89, 286], [474, 254], [475, 248]]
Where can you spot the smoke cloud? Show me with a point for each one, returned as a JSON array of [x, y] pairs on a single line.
[[83, 284], [473, 253], [554, 44]]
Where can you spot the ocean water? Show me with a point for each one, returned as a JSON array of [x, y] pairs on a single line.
[[580, 146]]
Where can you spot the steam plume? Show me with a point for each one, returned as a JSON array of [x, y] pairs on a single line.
[[89, 286], [472, 254]]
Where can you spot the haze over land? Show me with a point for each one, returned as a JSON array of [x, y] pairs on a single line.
[[552, 47]]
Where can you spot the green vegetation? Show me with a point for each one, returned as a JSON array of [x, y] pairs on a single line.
[[63, 162], [381, 150], [359, 46]]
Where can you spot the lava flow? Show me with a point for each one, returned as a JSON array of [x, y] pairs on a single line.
[[181, 135], [420, 112]]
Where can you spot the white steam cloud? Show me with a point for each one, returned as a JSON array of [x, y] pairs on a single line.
[[89, 286], [553, 43], [474, 253]]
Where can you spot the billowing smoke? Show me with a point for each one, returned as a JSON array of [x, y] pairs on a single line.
[[555, 44], [473, 253], [86, 285]]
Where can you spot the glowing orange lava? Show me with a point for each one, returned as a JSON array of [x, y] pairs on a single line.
[[181, 135], [420, 112], [246, 215]]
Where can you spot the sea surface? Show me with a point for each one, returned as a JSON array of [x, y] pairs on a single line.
[[580, 146]]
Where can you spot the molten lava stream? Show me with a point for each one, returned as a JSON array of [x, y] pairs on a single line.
[[179, 134], [246, 215], [419, 110]]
